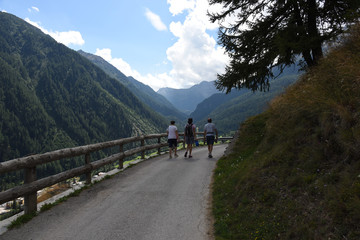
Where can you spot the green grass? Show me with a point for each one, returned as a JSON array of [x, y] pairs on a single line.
[[9, 214], [21, 220], [294, 172]]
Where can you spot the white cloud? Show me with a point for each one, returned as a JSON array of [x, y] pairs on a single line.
[[195, 56], [159, 81], [155, 20], [154, 81], [4, 11], [119, 63], [66, 38], [178, 6], [105, 53], [32, 9]]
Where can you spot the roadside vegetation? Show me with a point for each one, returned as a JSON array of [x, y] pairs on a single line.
[[294, 172]]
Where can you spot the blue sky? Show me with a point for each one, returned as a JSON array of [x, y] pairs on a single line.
[[162, 43]]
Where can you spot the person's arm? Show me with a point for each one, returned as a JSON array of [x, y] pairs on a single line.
[[216, 131], [177, 134]]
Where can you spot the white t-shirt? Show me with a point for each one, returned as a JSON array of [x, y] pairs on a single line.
[[210, 129], [172, 132]]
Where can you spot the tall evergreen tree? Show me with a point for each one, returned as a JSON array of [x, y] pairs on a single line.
[[274, 33]]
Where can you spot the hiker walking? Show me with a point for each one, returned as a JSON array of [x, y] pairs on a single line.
[[209, 133], [189, 136], [173, 136]]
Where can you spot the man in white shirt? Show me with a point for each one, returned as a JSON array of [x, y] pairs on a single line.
[[173, 136], [209, 133]]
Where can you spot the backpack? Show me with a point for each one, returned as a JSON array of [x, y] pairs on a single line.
[[189, 130]]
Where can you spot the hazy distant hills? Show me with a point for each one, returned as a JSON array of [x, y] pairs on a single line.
[[51, 97], [186, 100], [145, 93]]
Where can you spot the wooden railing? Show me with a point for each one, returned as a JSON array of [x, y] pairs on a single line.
[[32, 185]]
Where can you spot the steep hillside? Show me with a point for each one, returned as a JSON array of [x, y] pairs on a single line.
[[145, 93], [186, 100], [51, 97], [293, 172], [237, 106]]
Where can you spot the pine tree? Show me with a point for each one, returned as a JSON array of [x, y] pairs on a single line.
[[276, 33]]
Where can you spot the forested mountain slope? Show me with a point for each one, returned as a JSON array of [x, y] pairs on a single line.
[[145, 93], [51, 97]]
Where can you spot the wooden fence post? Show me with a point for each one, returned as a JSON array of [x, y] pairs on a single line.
[[159, 149], [142, 145], [121, 160], [30, 199], [88, 174]]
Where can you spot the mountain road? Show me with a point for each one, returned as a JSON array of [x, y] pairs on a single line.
[[160, 198]]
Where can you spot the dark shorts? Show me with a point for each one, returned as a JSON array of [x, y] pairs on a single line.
[[189, 140], [210, 140], [172, 143]]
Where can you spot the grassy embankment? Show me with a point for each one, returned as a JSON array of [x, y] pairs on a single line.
[[295, 170]]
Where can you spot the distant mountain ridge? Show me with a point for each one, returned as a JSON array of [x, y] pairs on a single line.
[[186, 100], [145, 93], [228, 111]]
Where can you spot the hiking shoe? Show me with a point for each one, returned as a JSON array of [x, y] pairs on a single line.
[[170, 156], [190, 156], [176, 155], [210, 156], [185, 154]]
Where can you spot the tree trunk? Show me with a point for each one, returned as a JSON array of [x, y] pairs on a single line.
[[314, 37], [299, 22]]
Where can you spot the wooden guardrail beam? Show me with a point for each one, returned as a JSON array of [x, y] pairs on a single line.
[[33, 160]]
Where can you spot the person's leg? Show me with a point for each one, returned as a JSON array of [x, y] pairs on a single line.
[[187, 146], [175, 149], [210, 145], [170, 147], [191, 145]]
